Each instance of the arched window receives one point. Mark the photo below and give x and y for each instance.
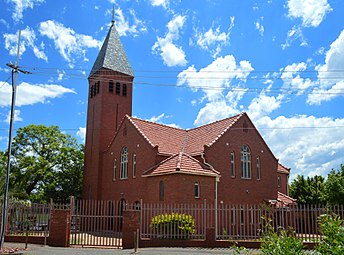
(124, 163)
(258, 168)
(161, 191)
(134, 165)
(232, 164)
(245, 162)
(114, 169)
(197, 190)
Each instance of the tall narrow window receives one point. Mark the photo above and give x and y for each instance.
(279, 181)
(232, 164)
(134, 165)
(197, 190)
(258, 168)
(114, 169)
(124, 163)
(95, 89)
(97, 86)
(124, 90)
(91, 91)
(111, 86)
(245, 162)
(161, 191)
(118, 88)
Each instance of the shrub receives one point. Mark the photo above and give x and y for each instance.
(333, 230)
(174, 225)
(282, 242)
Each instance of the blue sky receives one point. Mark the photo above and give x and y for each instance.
(194, 61)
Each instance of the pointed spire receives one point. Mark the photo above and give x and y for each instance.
(112, 55)
(113, 15)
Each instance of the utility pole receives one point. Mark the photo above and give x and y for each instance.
(15, 69)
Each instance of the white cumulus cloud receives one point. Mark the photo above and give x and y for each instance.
(330, 81)
(21, 5)
(29, 94)
(69, 43)
(16, 117)
(172, 54)
(213, 39)
(312, 12)
(307, 144)
(163, 3)
(81, 133)
(27, 40)
(124, 28)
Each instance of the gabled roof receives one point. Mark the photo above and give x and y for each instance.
(282, 169)
(181, 163)
(173, 140)
(112, 55)
(208, 134)
(284, 200)
(168, 139)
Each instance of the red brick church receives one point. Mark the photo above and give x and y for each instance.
(130, 159)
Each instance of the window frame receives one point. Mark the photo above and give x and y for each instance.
(124, 164)
(111, 86)
(161, 190)
(134, 165)
(258, 168)
(118, 88)
(278, 181)
(124, 90)
(245, 153)
(114, 169)
(197, 190)
(232, 164)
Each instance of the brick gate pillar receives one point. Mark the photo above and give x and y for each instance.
(59, 232)
(131, 222)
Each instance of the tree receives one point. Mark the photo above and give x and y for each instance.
(46, 163)
(3, 165)
(308, 191)
(334, 187)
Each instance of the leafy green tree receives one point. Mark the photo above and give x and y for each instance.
(308, 190)
(3, 165)
(334, 186)
(46, 164)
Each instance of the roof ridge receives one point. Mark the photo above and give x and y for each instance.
(140, 131)
(160, 124)
(217, 121)
(115, 134)
(237, 117)
(160, 163)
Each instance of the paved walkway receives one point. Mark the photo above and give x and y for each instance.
(43, 250)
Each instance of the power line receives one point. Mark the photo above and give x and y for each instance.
(9, 77)
(232, 128)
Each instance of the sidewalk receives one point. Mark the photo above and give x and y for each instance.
(34, 249)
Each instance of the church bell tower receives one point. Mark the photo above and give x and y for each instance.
(110, 86)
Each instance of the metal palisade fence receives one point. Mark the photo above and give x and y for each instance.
(100, 223)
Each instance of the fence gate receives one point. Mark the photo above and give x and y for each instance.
(96, 223)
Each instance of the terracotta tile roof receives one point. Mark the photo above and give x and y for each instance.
(168, 139)
(173, 140)
(183, 164)
(284, 200)
(208, 134)
(282, 169)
